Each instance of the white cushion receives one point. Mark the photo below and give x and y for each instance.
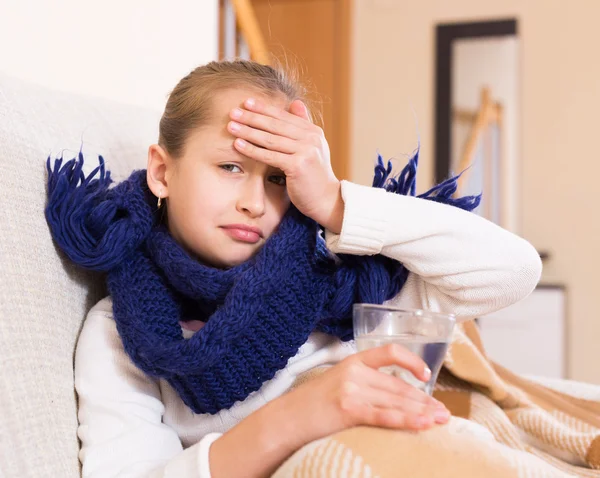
(43, 298)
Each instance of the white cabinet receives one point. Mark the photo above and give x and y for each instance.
(529, 337)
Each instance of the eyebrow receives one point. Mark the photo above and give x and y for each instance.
(231, 149)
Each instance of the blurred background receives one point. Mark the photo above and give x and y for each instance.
(507, 88)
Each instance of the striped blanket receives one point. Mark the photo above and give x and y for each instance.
(502, 426)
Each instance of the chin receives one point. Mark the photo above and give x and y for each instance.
(215, 257)
(235, 259)
(229, 264)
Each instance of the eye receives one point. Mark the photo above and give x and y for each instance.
(230, 168)
(278, 179)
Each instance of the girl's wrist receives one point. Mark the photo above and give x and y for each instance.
(333, 209)
(291, 419)
(260, 443)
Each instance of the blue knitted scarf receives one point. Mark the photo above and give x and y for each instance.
(257, 314)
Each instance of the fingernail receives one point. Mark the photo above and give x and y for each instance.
(233, 126)
(236, 113)
(427, 373)
(250, 102)
(241, 143)
(441, 415)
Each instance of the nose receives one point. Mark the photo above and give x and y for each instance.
(251, 199)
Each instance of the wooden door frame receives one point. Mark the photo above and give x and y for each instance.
(343, 119)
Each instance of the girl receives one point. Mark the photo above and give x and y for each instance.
(233, 262)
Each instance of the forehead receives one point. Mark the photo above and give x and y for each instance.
(224, 101)
(222, 104)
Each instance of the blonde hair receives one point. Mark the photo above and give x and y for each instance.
(190, 103)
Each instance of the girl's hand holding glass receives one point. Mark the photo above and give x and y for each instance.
(354, 392)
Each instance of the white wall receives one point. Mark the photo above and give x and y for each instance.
(133, 51)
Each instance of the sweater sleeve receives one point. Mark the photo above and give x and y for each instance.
(120, 412)
(459, 262)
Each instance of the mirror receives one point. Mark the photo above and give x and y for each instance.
(477, 114)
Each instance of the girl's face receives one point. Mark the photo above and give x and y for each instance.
(222, 206)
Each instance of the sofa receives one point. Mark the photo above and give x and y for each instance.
(43, 298)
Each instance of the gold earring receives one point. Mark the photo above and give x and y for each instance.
(158, 204)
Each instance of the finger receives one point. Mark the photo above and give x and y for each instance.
(388, 383)
(273, 111)
(384, 399)
(267, 123)
(365, 413)
(272, 158)
(299, 109)
(397, 419)
(394, 354)
(265, 139)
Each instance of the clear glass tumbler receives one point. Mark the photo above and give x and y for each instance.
(427, 334)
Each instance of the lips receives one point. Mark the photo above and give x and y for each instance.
(243, 233)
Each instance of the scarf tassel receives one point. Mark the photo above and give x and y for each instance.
(90, 222)
(405, 183)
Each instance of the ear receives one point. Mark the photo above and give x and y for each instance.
(298, 108)
(159, 163)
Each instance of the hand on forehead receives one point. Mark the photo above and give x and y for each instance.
(290, 142)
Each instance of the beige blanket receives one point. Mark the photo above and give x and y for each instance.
(502, 426)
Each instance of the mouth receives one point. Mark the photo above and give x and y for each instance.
(243, 233)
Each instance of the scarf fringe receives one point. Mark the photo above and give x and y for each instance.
(89, 221)
(405, 184)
